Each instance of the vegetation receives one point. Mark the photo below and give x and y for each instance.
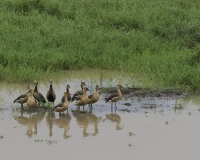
(156, 40)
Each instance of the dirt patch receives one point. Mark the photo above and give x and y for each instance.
(145, 92)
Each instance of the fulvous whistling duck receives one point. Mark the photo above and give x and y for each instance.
(79, 92)
(115, 97)
(69, 96)
(32, 103)
(61, 107)
(23, 98)
(37, 95)
(51, 96)
(83, 100)
(94, 97)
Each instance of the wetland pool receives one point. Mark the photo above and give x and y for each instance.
(155, 126)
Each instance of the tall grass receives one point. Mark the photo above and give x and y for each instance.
(157, 40)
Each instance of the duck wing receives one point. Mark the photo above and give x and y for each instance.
(111, 97)
(78, 93)
(39, 97)
(59, 105)
(18, 98)
(91, 96)
(69, 98)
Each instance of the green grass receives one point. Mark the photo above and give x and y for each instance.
(156, 40)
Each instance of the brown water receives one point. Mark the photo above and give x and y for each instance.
(151, 128)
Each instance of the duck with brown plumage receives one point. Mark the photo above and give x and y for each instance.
(37, 95)
(51, 96)
(23, 98)
(78, 93)
(115, 97)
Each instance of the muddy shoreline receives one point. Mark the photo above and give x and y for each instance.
(146, 92)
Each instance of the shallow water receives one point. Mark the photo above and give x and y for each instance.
(151, 128)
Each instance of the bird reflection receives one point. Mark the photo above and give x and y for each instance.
(63, 122)
(30, 121)
(50, 122)
(93, 120)
(84, 119)
(115, 118)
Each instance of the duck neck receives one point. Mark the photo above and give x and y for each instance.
(84, 92)
(96, 91)
(51, 87)
(119, 92)
(35, 90)
(66, 100)
(68, 90)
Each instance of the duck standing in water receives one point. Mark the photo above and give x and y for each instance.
(78, 93)
(93, 98)
(23, 98)
(83, 100)
(115, 97)
(61, 107)
(51, 96)
(69, 96)
(37, 95)
(32, 103)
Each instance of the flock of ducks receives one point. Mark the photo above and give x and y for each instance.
(35, 99)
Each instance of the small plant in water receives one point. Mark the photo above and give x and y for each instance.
(49, 142)
(130, 145)
(131, 134)
(178, 104)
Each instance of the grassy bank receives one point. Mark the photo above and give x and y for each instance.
(156, 40)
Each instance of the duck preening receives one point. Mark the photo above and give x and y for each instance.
(83, 100)
(69, 96)
(79, 92)
(93, 98)
(115, 97)
(51, 96)
(61, 107)
(37, 95)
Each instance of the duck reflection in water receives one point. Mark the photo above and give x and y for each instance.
(115, 118)
(84, 119)
(30, 121)
(93, 120)
(63, 122)
(50, 118)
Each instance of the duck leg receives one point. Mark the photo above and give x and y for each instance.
(91, 108)
(115, 106)
(22, 107)
(115, 110)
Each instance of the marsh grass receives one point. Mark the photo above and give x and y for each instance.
(158, 41)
